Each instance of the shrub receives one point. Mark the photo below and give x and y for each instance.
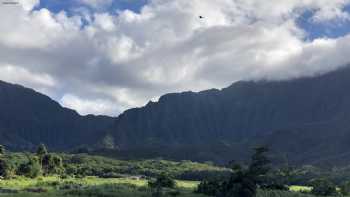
(345, 188)
(31, 169)
(162, 181)
(323, 187)
(210, 188)
(2, 150)
(41, 151)
(52, 164)
(7, 170)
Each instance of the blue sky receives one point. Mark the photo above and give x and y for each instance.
(69, 5)
(329, 29)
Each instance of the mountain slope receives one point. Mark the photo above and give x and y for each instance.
(28, 118)
(306, 118)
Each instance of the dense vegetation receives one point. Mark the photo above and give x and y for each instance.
(45, 174)
(82, 165)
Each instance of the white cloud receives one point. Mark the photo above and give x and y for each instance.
(122, 60)
(85, 106)
(40, 81)
(28, 4)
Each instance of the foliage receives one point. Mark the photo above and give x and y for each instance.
(2, 150)
(31, 169)
(209, 188)
(52, 164)
(259, 166)
(7, 170)
(162, 181)
(323, 187)
(243, 182)
(345, 188)
(41, 151)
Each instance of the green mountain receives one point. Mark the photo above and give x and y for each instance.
(306, 120)
(28, 118)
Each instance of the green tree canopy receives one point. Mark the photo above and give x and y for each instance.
(42, 150)
(52, 164)
(31, 169)
(162, 181)
(2, 150)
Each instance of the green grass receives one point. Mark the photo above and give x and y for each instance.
(297, 188)
(89, 186)
(114, 187)
(282, 194)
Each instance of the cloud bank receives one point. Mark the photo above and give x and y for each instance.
(105, 62)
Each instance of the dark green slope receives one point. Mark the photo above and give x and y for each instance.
(305, 119)
(28, 118)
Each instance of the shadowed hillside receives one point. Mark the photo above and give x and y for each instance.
(28, 118)
(306, 119)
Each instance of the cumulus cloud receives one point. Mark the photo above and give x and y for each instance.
(86, 106)
(104, 63)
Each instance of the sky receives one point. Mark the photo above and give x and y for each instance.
(105, 56)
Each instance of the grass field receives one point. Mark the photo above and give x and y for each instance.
(89, 186)
(296, 188)
(114, 187)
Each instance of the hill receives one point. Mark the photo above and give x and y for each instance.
(28, 118)
(305, 120)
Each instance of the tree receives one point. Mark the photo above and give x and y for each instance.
(345, 188)
(243, 181)
(162, 181)
(52, 164)
(7, 169)
(31, 169)
(260, 165)
(241, 184)
(41, 151)
(323, 187)
(210, 188)
(2, 150)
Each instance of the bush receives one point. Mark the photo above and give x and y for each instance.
(323, 187)
(210, 188)
(52, 164)
(7, 170)
(162, 181)
(345, 188)
(31, 169)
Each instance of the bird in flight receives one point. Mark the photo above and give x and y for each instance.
(201, 17)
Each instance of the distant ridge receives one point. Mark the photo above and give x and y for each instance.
(305, 120)
(28, 118)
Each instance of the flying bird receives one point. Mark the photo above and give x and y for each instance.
(201, 17)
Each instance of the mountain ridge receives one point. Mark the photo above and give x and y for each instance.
(33, 118)
(242, 112)
(306, 119)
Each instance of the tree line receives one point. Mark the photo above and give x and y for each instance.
(41, 163)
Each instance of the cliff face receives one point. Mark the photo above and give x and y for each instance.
(28, 118)
(305, 111)
(306, 120)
